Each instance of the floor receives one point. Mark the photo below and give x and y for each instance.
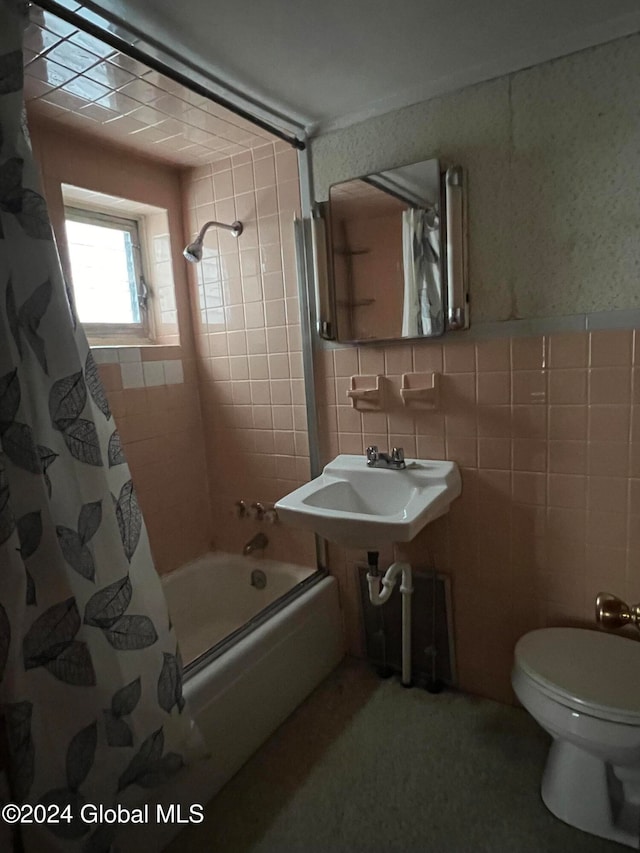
(365, 765)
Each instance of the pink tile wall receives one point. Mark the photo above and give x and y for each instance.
(164, 305)
(160, 427)
(546, 431)
(162, 436)
(71, 157)
(245, 313)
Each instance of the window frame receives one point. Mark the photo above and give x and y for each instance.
(106, 332)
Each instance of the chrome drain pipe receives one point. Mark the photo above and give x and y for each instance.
(378, 596)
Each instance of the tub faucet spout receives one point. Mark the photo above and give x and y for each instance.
(258, 543)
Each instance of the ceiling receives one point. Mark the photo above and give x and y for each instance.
(330, 63)
(84, 198)
(79, 82)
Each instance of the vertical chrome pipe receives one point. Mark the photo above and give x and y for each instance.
(308, 315)
(325, 311)
(457, 283)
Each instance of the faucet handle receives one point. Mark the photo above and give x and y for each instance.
(258, 509)
(397, 457)
(372, 455)
(271, 515)
(241, 509)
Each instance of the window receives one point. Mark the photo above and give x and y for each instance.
(109, 288)
(119, 259)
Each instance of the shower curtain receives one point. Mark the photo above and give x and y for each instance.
(422, 312)
(90, 673)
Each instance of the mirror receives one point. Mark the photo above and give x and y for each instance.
(395, 261)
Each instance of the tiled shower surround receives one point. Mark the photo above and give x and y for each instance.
(241, 409)
(246, 319)
(230, 423)
(546, 431)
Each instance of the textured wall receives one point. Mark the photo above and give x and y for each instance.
(553, 157)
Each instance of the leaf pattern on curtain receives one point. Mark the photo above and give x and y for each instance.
(21, 751)
(170, 683)
(24, 324)
(73, 543)
(129, 518)
(149, 767)
(95, 385)
(30, 535)
(115, 454)
(122, 704)
(82, 615)
(50, 642)
(79, 761)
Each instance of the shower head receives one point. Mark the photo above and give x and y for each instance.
(193, 252)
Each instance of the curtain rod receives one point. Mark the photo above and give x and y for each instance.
(120, 44)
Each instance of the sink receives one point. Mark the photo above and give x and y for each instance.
(362, 507)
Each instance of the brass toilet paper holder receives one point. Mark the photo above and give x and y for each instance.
(612, 612)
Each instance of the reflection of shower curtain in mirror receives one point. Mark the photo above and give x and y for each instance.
(90, 675)
(422, 312)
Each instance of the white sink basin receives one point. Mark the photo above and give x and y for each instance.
(363, 507)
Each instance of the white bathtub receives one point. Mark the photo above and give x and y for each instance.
(241, 697)
(212, 597)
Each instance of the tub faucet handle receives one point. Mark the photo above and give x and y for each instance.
(271, 515)
(241, 509)
(258, 510)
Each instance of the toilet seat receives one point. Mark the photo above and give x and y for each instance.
(588, 671)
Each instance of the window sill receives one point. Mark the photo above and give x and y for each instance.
(143, 366)
(116, 341)
(117, 334)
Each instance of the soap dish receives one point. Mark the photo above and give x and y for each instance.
(366, 393)
(420, 390)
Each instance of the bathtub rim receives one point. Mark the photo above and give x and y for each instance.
(218, 649)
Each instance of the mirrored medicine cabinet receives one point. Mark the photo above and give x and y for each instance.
(390, 255)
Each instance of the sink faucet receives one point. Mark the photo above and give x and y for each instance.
(376, 459)
(258, 543)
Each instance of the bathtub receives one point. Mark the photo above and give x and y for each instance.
(246, 688)
(212, 598)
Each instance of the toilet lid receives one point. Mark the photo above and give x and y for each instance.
(597, 672)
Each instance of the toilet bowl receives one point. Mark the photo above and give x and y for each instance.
(583, 687)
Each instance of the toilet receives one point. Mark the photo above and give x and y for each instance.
(583, 687)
